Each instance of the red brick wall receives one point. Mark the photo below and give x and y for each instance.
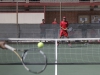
(72, 16)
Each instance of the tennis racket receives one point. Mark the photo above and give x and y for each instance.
(33, 59)
(70, 29)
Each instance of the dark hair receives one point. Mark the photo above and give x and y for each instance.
(42, 19)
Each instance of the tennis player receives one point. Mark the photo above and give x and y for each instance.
(63, 29)
(54, 22)
(43, 29)
(2, 43)
(43, 22)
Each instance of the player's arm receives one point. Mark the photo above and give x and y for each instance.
(2, 44)
(66, 27)
(62, 27)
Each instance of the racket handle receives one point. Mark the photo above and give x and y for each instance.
(9, 47)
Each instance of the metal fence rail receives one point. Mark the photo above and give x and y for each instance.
(47, 1)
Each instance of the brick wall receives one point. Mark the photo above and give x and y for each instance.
(72, 16)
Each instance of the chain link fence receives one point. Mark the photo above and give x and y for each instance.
(48, 31)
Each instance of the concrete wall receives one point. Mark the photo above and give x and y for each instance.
(23, 18)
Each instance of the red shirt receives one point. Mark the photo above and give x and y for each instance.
(54, 22)
(64, 24)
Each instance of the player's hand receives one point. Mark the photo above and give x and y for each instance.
(2, 44)
(65, 29)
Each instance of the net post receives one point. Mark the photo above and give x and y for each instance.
(55, 56)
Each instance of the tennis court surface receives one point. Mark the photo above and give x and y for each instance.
(82, 58)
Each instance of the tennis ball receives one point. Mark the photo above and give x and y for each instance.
(40, 44)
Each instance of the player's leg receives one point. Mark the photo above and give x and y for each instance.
(60, 36)
(66, 35)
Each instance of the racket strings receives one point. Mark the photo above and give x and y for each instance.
(33, 57)
(35, 61)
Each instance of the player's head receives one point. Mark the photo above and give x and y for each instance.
(55, 19)
(64, 18)
(43, 21)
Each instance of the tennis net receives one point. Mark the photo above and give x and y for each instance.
(81, 51)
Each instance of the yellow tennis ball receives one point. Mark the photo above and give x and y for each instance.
(40, 44)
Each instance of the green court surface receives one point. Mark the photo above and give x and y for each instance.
(62, 70)
(19, 70)
(78, 53)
